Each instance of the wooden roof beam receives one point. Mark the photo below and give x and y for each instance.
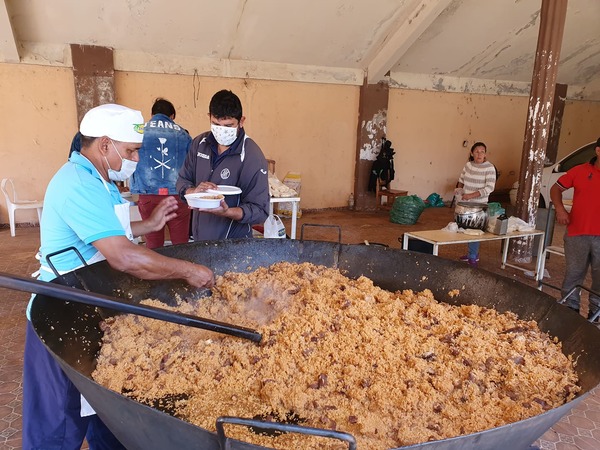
(410, 26)
(9, 52)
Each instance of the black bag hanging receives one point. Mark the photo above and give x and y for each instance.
(383, 166)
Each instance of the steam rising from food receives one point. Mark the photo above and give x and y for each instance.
(391, 368)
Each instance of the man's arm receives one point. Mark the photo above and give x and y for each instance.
(143, 263)
(186, 178)
(235, 213)
(562, 216)
(254, 204)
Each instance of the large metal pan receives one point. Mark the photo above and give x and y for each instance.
(72, 334)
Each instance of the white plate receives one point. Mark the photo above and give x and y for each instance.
(225, 190)
(200, 200)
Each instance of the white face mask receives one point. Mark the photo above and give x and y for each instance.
(127, 167)
(224, 135)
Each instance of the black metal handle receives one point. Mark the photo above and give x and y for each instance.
(579, 286)
(281, 427)
(322, 226)
(64, 250)
(77, 295)
(56, 272)
(564, 299)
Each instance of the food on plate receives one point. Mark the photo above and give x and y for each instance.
(391, 368)
(212, 197)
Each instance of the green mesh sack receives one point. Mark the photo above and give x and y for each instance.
(434, 200)
(406, 210)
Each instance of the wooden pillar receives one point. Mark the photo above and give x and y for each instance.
(537, 131)
(93, 71)
(372, 127)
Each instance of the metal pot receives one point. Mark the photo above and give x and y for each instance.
(71, 331)
(471, 215)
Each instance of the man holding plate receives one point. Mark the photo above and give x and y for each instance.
(225, 161)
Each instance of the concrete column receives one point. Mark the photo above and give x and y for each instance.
(94, 74)
(372, 123)
(537, 131)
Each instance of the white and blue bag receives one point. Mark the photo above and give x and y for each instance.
(274, 227)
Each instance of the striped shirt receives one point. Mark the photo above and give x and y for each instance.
(478, 177)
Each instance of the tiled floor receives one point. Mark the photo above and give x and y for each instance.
(578, 430)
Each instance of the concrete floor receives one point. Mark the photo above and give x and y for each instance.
(580, 429)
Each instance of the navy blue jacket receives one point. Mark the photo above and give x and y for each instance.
(243, 165)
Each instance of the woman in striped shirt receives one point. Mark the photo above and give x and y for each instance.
(476, 182)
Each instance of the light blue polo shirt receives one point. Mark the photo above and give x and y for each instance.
(78, 210)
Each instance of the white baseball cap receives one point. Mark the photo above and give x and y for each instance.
(115, 121)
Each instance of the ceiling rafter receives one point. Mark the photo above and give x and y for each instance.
(8, 44)
(421, 14)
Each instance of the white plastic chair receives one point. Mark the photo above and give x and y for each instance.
(13, 203)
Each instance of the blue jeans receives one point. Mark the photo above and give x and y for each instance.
(473, 252)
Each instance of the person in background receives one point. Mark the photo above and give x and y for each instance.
(75, 143)
(476, 182)
(582, 237)
(164, 148)
(84, 209)
(225, 155)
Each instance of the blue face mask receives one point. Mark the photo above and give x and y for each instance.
(127, 167)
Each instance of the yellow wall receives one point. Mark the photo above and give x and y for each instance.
(39, 122)
(428, 129)
(306, 127)
(580, 125)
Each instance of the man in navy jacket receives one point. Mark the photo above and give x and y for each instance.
(226, 156)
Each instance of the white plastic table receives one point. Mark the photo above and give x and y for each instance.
(294, 201)
(439, 237)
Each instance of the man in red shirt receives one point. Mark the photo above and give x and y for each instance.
(582, 239)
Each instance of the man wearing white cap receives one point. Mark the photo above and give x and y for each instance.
(84, 209)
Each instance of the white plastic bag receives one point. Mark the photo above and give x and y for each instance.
(452, 227)
(518, 224)
(274, 227)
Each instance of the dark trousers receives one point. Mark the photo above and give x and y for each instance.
(52, 405)
(581, 253)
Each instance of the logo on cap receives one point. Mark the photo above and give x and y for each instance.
(138, 128)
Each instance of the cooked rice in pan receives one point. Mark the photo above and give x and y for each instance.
(391, 368)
